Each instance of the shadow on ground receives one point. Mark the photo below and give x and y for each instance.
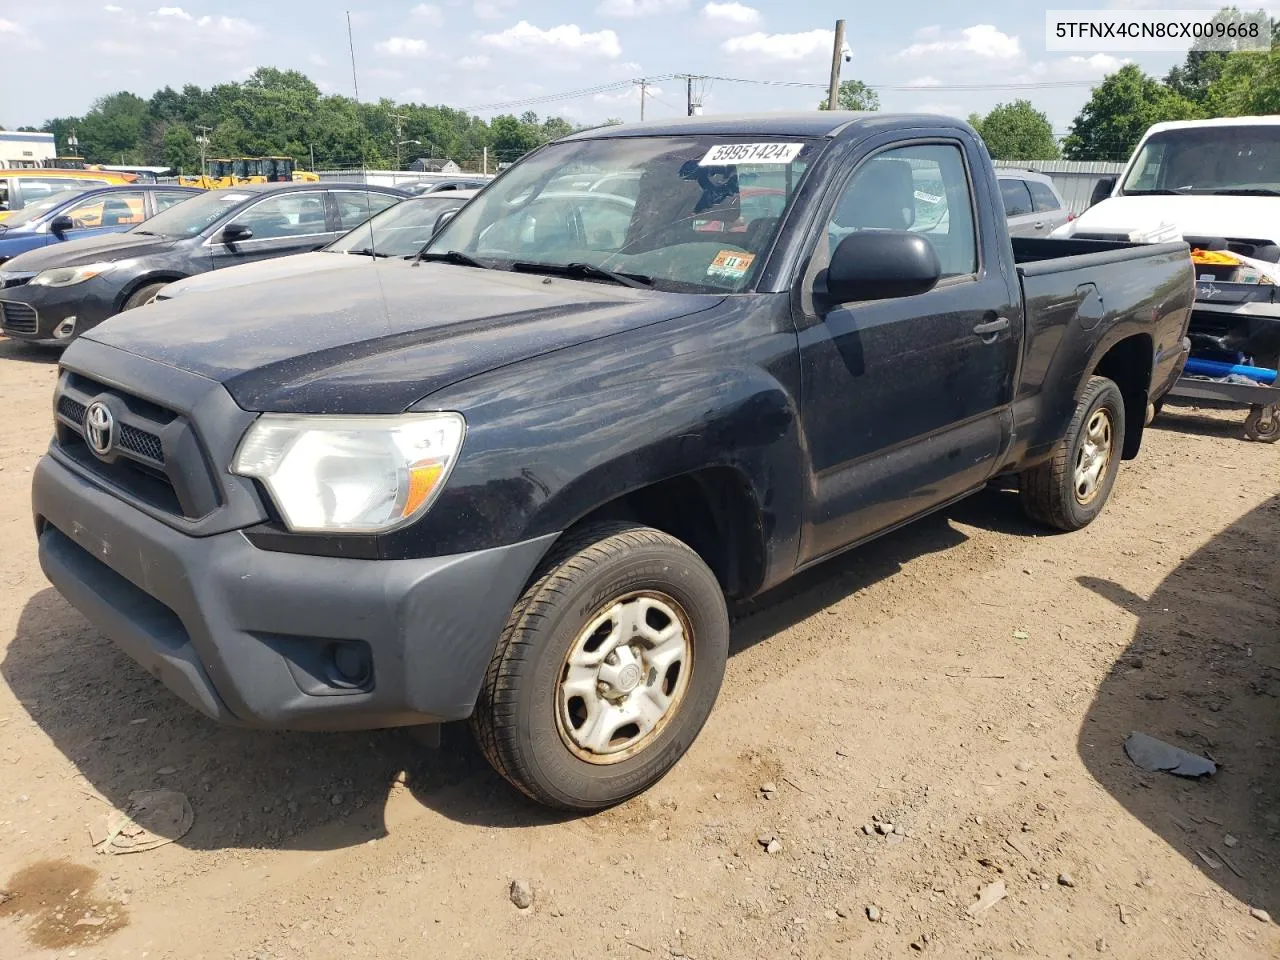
(119, 726)
(25, 352)
(1203, 673)
(1183, 416)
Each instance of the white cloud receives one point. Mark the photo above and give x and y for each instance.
(174, 12)
(112, 8)
(781, 46)
(923, 82)
(317, 60)
(1073, 68)
(474, 63)
(8, 26)
(731, 14)
(491, 9)
(566, 38)
(638, 8)
(429, 14)
(401, 47)
(983, 41)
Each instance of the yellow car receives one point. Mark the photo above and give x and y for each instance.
(20, 187)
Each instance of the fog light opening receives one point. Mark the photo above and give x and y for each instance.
(65, 329)
(351, 664)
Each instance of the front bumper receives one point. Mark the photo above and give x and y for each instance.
(33, 313)
(247, 636)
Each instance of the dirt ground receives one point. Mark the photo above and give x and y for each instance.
(968, 680)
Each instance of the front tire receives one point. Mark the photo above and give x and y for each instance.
(607, 669)
(1069, 490)
(143, 295)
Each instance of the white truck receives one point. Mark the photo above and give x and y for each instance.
(1216, 184)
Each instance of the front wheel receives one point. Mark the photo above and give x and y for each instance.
(143, 295)
(1069, 490)
(607, 669)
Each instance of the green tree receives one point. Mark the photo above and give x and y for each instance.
(180, 148)
(1248, 85)
(511, 138)
(854, 95)
(1016, 131)
(1119, 111)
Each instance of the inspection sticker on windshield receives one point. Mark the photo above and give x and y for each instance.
(731, 264)
(726, 153)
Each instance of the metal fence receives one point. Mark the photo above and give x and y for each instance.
(1075, 179)
(395, 178)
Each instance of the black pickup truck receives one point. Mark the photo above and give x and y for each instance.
(518, 478)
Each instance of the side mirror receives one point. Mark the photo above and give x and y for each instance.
(60, 225)
(442, 220)
(881, 265)
(235, 232)
(1102, 189)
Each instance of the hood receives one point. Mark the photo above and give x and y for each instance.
(104, 246)
(379, 339)
(1255, 218)
(294, 266)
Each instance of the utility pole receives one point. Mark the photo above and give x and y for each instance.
(204, 144)
(833, 94)
(485, 161)
(644, 85)
(313, 158)
(399, 119)
(688, 94)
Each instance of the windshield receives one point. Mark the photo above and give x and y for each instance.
(191, 217)
(703, 212)
(36, 210)
(399, 231)
(1208, 160)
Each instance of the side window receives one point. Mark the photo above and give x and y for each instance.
(1017, 201)
(1042, 197)
(4, 194)
(355, 208)
(923, 188)
(108, 210)
(288, 215)
(164, 199)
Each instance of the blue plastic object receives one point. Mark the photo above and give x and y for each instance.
(1215, 368)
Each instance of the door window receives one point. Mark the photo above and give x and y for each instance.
(923, 188)
(1042, 196)
(165, 199)
(108, 210)
(355, 207)
(1017, 201)
(288, 215)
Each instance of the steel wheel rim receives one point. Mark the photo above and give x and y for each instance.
(1093, 456)
(624, 677)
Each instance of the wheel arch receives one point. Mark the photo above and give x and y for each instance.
(1128, 363)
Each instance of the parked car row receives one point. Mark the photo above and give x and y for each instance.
(509, 458)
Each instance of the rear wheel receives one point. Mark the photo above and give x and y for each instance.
(143, 295)
(1070, 489)
(607, 669)
(1263, 423)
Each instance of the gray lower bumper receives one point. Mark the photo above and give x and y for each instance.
(246, 636)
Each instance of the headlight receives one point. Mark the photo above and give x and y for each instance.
(70, 276)
(351, 474)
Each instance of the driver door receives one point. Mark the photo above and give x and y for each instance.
(906, 402)
(286, 223)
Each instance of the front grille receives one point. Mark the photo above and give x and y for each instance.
(147, 439)
(19, 317)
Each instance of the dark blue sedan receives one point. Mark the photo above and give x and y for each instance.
(75, 213)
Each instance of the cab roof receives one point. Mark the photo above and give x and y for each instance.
(809, 123)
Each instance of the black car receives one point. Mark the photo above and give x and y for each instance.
(56, 293)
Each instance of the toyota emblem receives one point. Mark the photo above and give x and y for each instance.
(99, 428)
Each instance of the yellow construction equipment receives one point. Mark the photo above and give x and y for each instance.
(216, 176)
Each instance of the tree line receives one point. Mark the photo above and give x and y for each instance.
(283, 113)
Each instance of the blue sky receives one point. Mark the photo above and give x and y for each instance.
(59, 55)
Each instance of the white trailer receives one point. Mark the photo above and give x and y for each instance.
(20, 150)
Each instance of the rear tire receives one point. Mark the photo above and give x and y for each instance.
(143, 295)
(1069, 490)
(607, 669)
(1264, 429)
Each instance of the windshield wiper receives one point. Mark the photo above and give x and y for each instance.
(1246, 192)
(369, 252)
(145, 233)
(453, 256)
(585, 271)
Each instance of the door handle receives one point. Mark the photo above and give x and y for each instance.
(988, 331)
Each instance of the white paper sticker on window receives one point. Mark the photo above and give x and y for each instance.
(730, 153)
